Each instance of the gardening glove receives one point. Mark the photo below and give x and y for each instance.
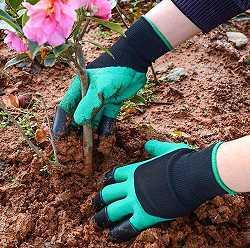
(171, 184)
(112, 80)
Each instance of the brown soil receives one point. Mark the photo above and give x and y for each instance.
(210, 104)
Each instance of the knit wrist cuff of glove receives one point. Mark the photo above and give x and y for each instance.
(142, 44)
(184, 178)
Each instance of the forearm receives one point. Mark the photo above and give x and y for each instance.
(172, 23)
(178, 20)
(162, 28)
(233, 162)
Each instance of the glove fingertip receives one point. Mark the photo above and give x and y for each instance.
(79, 118)
(108, 177)
(97, 202)
(123, 232)
(101, 219)
(60, 123)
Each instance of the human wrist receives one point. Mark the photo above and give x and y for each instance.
(233, 164)
(172, 23)
(159, 33)
(214, 160)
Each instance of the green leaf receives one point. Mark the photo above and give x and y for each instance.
(33, 1)
(242, 17)
(101, 47)
(179, 134)
(25, 18)
(14, 3)
(138, 100)
(16, 60)
(75, 31)
(33, 48)
(50, 60)
(10, 20)
(61, 49)
(116, 27)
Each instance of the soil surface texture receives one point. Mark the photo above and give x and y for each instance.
(211, 102)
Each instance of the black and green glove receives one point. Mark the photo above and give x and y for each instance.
(171, 184)
(113, 80)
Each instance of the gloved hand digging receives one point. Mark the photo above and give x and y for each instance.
(112, 80)
(171, 184)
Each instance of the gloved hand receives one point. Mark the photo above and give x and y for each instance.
(171, 184)
(112, 80)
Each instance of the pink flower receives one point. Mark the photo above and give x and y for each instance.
(50, 21)
(100, 8)
(15, 42)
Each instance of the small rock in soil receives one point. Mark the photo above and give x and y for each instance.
(176, 74)
(237, 38)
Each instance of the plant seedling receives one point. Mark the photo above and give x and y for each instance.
(61, 39)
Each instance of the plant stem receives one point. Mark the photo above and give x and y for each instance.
(154, 73)
(79, 63)
(87, 130)
(31, 145)
(50, 132)
(118, 9)
(83, 30)
(122, 15)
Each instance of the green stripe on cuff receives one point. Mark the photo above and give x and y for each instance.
(159, 33)
(216, 172)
